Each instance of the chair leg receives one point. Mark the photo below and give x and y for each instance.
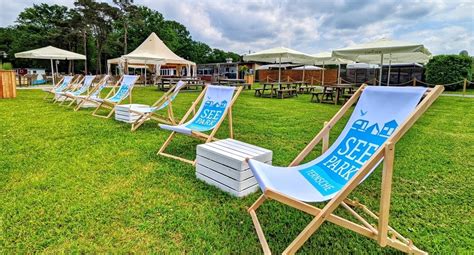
(139, 122)
(256, 223)
(78, 106)
(165, 144)
(96, 109)
(72, 102)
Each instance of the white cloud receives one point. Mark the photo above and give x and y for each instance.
(444, 26)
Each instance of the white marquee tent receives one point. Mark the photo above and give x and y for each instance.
(153, 51)
(51, 53)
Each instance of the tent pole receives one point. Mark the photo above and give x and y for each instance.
(304, 68)
(322, 78)
(52, 72)
(389, 69)
(145, 73)
(381, 68)
(339, 73)
(279, 73)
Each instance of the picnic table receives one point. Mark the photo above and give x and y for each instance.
(332, 93)
(233, 81)
(275, 89)
(167, 83)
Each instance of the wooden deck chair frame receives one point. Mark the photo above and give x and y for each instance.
(89, 91)
(382, 233)
(51, 91)
(169, 119)
(88, 97)
(200, 135)
(109, 105)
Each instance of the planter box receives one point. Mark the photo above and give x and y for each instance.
(7, 84)
(122, 112)
(222, 164)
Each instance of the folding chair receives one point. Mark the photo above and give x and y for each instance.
(125, 90)
(165, 101)
(69, 94)
(62, 85)
(93, 95)
(216, 105)
(382, 116)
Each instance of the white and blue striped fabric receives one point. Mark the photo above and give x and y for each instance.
(176, 90)
(378, 113)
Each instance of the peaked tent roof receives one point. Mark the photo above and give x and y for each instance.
(154, 49)
(50, 52)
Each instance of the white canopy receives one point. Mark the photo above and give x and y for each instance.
(326, 58)
(279, 55)
(51, 53)
(154, 49)
(362, 66)
(380, 48)
(397, 58)
(270, 66)
(308, 67)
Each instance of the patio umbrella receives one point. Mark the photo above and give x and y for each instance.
(279, 55)
(51, 53)
(382, 48)
(326, 58)
(396, 58)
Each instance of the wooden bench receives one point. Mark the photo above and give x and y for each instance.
(289, 92)
(306, 89)
(324, 97)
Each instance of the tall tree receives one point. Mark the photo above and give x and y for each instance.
(127, 11)
(100, 17)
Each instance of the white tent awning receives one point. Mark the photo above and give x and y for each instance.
(50, 52)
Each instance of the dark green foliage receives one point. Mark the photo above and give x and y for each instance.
(446, 69)
(100, 31)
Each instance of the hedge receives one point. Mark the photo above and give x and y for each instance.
(446, 69)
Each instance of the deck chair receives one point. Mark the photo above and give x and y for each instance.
(62, 85)
(165, 101)
(217, 102)
(69, 94)
(110, 101)
(93, 95)
(382, 116)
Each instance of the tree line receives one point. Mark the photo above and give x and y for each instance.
(100, 31)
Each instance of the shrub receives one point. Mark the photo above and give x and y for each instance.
(445, 69)
(7, 66)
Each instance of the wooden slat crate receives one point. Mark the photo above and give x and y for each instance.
(122, 112)
(222, 164)
(7, 84)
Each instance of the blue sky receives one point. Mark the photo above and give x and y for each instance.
(443, 26)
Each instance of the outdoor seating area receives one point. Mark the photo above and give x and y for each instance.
(136, 127)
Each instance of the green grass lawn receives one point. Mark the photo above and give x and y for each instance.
(71, 182)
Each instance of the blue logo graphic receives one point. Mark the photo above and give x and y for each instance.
(358, 146)
(209, 115)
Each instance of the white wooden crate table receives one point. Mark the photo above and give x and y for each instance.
(122, 112)
(222, 164)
